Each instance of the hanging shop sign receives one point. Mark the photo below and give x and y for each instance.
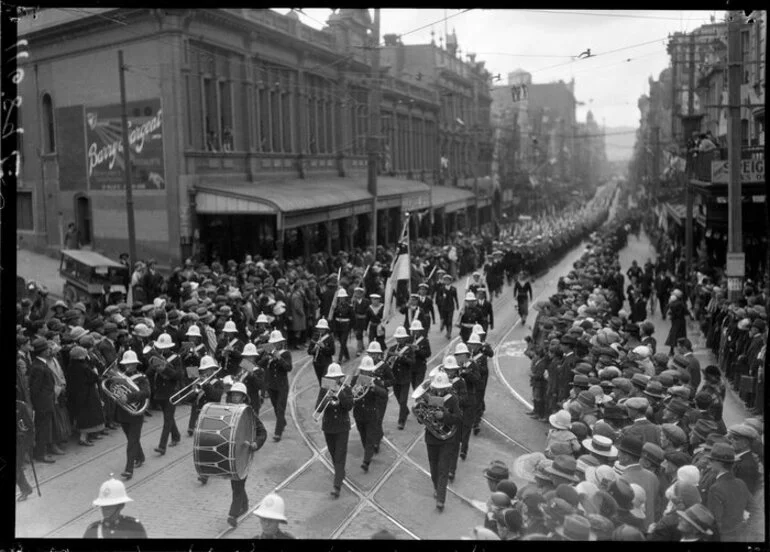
(752, 170)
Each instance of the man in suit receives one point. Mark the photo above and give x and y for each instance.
(630, 450)
(107, 346)
(487, 319)
(446, 301)
(42, 393)
(641, 427)
(746, 467)
(727, 498)
(684, 348)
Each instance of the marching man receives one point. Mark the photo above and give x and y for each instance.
(480, 352)
(401, 357)
(446, 301)
(440, 451)
(421, 353)
(336, 424)
(470, 316)
(384, 375)
(322, 349)
(131, 423)
(365, 411)
(165, 372)
(375, 326)
(360, 307)
(279, 364)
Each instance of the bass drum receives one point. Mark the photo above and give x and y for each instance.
(218, 444)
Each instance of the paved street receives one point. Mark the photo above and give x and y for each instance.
(395, 494)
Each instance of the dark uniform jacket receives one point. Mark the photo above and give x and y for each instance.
(336, 417)
(422, 351)
(365, 408)
(410, 314)
(374, 315)
(427, 314)
(487, 319)
(229, 355)
(401, 358)
(452, 417)
(123, 417)
(446, 299)
(384, 375)
(279, 535)
(123, 527)
(165, 375)
(41, 386)
(360, 316)
(278, 368)
(343, 316)
(324, 350)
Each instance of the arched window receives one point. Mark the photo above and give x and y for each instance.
(49, 131)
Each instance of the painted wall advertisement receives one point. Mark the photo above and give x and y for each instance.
(104, 151)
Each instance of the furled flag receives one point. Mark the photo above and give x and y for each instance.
(400, 270)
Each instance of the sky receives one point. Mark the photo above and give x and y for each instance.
(628, 47)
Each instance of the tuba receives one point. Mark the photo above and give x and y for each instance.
(425, 410)
(117, 386)
(363, 385)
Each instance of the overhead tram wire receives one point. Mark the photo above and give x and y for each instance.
(442, 20)
(622, 15)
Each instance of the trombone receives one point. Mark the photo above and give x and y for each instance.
(191, 388)
(332, 394)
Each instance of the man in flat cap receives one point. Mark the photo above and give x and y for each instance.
(641, 427)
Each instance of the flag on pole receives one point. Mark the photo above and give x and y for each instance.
(400, 270)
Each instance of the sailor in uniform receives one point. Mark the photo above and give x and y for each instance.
(112, 498)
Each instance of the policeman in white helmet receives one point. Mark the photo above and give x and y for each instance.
(132, 423)
(279, 365)
(403, 357)
(271, 513)
(440, 452)
(321, 349)
(112, 498)
(240, 502)
(166, 372)
(383, 376)
(422, 353)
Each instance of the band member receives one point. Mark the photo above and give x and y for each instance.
(112, 498)
(261, 333)
(475, 283)
(279, 364)
(321, 349)
(165, 370)
(132, 423)
(365, 411)
(469, 373)
(412, 310)
(480, 352)
(421, 353)
(452, 369)
(360, 306)
(470, 316)
(229, 348)
(374, 323)
(446, 301)
(193, 349)
(383, 373)
(252, 375)
(240, 502)
(336, 423)
(400, 357)
(522, 291)
(428, 315)
(486, 318)
(211, 391)
(440, 452)
(343, 313)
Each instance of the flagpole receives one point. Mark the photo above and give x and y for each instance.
(409, 253)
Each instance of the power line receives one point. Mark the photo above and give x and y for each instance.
(442, 20)
(623, 15)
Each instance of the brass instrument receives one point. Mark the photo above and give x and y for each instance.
(332, 395)
(363, 385)
(317, 345)
(391, 360)
(117, 386)
(247, 368)
(191, 388)
(226, 352)
(425, 409)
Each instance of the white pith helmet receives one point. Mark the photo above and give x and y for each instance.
(111, 493)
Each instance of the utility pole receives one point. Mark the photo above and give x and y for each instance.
(735, 256)
(127, 162)
(374, 124)
(687, 186)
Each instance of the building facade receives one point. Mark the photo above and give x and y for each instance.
(248, 134)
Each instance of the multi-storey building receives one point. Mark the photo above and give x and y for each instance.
(463, 177)
(247, 128)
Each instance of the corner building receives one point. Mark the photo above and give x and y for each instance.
(248, 134)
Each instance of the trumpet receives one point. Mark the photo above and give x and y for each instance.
(117, 385)
(332, 395)
(192, 388)
(317, 345)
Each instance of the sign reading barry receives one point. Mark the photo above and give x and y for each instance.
(104, 153)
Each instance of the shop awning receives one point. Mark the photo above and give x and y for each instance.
(307, 201)
(452, 199)
(678, 212)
